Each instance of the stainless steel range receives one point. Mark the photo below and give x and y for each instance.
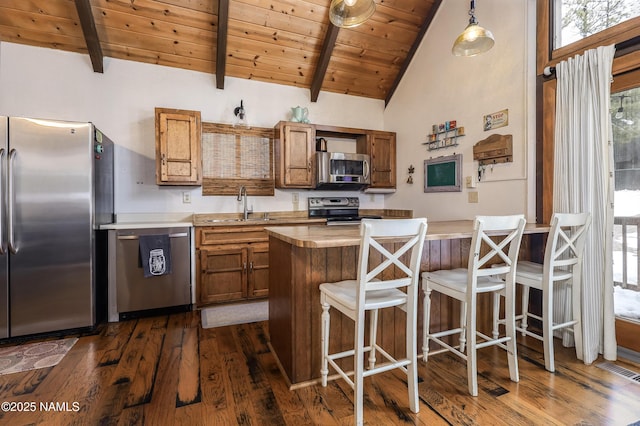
(337, 210)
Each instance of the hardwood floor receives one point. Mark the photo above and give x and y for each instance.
(168, 370)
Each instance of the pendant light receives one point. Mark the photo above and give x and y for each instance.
(474, 39)
(350, 13)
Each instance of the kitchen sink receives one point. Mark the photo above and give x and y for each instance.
(236, 220)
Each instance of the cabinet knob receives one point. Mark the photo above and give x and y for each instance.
(250, 266)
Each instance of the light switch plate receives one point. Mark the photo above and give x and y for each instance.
(473, 196)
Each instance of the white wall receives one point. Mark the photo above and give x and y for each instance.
(439, 87)
(46, 83)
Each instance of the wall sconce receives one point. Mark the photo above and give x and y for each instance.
(241, 116)
(474, 39)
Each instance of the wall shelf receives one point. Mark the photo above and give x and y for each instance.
(444, 138)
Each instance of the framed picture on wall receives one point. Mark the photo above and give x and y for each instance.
(443, 174)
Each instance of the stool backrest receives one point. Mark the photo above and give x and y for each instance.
(504, 247)
(566, 241)
(409, 234)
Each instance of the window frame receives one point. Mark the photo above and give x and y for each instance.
(547, 56)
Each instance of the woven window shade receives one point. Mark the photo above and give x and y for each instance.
(237, 156)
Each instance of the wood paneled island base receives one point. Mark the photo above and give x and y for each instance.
(303, 257)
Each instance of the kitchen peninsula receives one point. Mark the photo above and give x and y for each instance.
(303, 257)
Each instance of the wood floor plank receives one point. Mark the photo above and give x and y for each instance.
(189, 370)
(144, 378)
(140, 372)
(115, 337)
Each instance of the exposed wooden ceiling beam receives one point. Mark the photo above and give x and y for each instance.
(412, 50)
(325, 56)
(221, 48)
(90, 32)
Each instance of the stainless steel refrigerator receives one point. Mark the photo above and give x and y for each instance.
(56, 189)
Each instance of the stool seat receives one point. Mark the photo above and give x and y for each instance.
(347, 291)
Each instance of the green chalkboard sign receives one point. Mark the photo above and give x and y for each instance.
(443, 174)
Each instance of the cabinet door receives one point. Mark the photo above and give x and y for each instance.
(223, 275)
(178, 147)
(296, 156)
(258, 277)
(382, 147)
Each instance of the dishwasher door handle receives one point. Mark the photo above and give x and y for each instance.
(135, 237)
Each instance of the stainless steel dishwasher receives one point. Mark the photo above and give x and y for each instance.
(130, 293)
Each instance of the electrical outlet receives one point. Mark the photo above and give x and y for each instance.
(473, 196)
(186, 197)
(470, 182)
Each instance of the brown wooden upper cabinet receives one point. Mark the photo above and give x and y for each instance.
(381, 146)
(295, 155)
(178, 147)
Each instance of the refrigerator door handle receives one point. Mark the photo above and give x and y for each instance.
(10, 195)
(2, 249)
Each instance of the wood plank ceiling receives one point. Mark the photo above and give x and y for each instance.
(290, 42)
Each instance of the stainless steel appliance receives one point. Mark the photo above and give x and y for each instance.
(56, 189)
(339, 170)
(130, 293)
(337, 210)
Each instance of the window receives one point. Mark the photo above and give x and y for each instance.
(237, 156)
(577, 19)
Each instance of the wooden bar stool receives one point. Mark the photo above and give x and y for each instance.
(465, 285)
(369, 293)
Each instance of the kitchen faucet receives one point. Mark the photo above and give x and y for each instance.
(242, 196)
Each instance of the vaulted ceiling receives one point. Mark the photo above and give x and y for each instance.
(290, 42)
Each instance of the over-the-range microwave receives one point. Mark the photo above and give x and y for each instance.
(340, 170)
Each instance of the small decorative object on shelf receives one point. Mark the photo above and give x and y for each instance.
(444, 135)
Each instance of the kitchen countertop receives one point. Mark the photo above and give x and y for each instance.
(349, 235)
(139, 225)
(277, 218)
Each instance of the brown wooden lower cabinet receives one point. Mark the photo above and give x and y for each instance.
(229, 268)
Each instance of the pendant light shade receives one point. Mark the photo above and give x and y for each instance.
(474, 39)
(350, 13)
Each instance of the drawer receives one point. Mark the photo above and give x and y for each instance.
(230, 235)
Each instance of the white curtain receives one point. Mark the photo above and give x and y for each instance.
(583, 182)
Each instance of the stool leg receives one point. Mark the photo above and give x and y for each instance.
(576, 290)
(472, 353)
(324, 370)
(372, 337)
(547, 327)
(426, 316)
(496, 315)
(463, 325)
(358, 378)
(412, 353)
(525, 309)
(510, 325)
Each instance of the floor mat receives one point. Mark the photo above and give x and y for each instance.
(30, 356)
(219, 316)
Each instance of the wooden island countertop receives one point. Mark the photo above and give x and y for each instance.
(322, 236)
(302, 257)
